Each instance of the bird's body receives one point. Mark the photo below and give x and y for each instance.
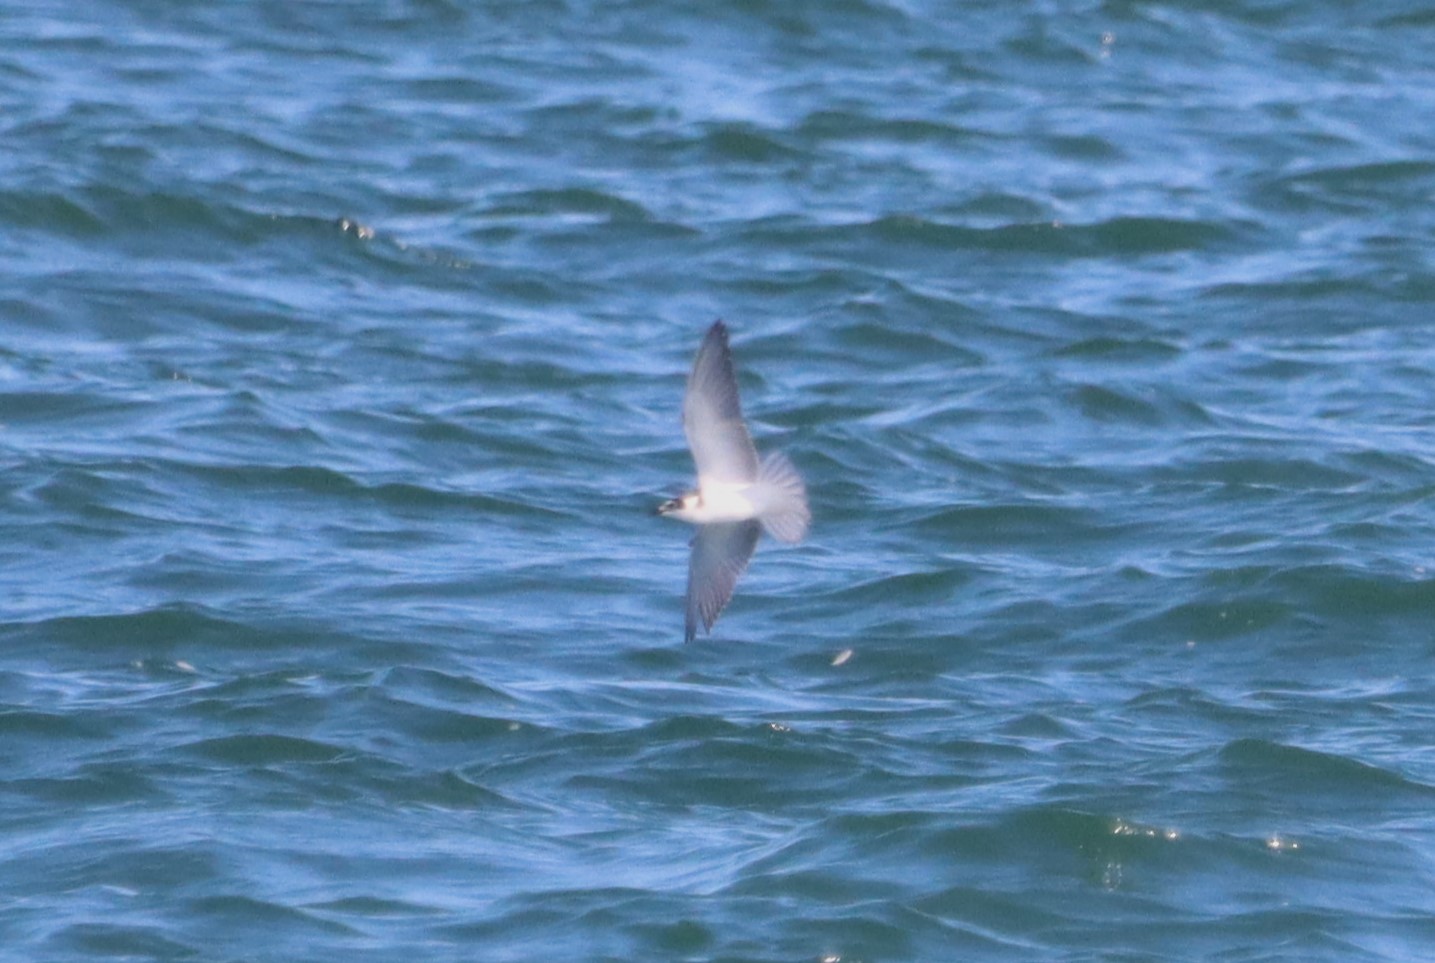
(718, 502)
(738, 496)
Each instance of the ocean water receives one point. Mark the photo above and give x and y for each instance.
(341, 353)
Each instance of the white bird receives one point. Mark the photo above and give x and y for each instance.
(737, 495)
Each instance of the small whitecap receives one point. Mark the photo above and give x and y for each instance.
(1279, 844)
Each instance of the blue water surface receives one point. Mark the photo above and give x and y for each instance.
(342, 347)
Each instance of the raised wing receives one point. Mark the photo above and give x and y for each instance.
(712, 415)
(720, 554)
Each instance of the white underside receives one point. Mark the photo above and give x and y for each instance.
(777, 498)
(721, 502)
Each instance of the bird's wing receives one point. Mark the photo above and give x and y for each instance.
(712, 415)
(720, 554)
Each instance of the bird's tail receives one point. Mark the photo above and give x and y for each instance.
(782, 498)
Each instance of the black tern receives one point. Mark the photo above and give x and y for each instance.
(737, 495)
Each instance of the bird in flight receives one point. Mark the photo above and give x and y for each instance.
(738, 496)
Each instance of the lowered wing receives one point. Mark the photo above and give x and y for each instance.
(720, 554)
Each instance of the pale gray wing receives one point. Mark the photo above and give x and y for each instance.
(720, 554)
(712, 415)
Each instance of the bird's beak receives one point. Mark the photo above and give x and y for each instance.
(671, 505)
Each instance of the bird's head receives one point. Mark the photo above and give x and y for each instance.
(683, 503)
